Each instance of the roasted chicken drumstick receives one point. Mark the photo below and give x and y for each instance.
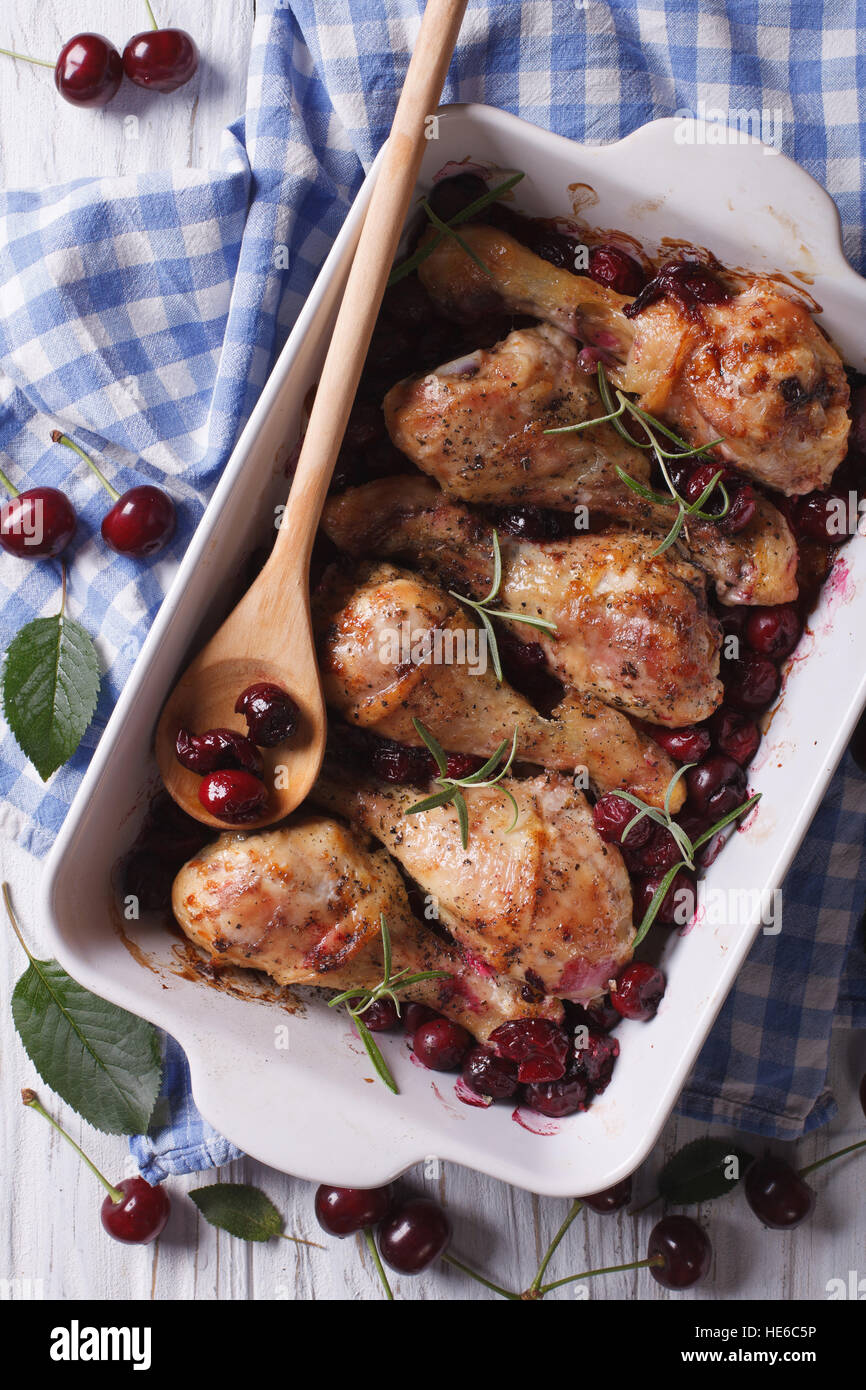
(753, 367)
(478, 426)
(547, 903)
(361, 616)
(632, 628)
(303, 903)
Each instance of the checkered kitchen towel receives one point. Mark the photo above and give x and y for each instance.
(142, 315)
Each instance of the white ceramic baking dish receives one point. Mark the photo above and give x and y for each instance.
(300, 1099)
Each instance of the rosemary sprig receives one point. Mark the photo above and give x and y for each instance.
(653, 428)
(448, 230)
(386, 989)
(485, 613)
(452, 787)
(412, 263)
(688, 848)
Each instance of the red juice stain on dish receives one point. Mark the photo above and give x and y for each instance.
(839, 585)
(534, 1123)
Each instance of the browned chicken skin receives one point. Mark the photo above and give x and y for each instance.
(478, 426)
(547, 903)
(755, 369)
(632, 628)
(303, 903)
(359, 617)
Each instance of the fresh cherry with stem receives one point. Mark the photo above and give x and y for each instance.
(142, 519)
(133, 1212)
(343, 1211)
(414, 1235)
(160, 59)
(678, 1252)
(37, 523)
(779, 1195)
(88, 70)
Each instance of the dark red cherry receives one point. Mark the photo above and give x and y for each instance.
(394, 762)
(684, 1249)
(36, 523)
(678, 904)
(696, 480)
(381, 1016)
(160, 59)
(141, 522)
(556, 1099)
(735, 735)
(538, 1046)
(216, 750)
(441, 1044)
(450, 196)
(611, 1199)
(741, 510)
(233, 796)
(527, 523)
(415, 1235)
(595, 1061)
(88, 71)
(270, 712)
(553, 246)
(688, 282)
(863, 1093)
(687, 745)
(774, 632)
(461, 765)
(140, 1217)
(341, 1211)
(821, 516)
(414, 1015)
(616, 269)
(489, 1075)
(716, 786)
(602, 1015)
(777, 1194)
(612, 813)
(659, 854)
(639, 990)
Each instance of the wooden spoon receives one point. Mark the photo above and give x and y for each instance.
(269, 635)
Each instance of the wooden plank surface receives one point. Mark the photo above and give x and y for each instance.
(52, 1242)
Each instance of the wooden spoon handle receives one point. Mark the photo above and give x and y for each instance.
(368, 276)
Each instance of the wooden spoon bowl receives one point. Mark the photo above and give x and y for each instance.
(200, 701)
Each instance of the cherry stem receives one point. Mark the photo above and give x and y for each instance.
(299, 1240)
(6, 483)
(31, 1100)
(577, 1205)
(14, 920)
(25, 57)
(156, 26)
(59, 438)
(479, 1278)
(653, 1262)
(819, 1163)
(380, 1270)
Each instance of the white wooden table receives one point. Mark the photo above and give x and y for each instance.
(52, 1243)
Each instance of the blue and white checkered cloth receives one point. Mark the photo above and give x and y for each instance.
(142, 315)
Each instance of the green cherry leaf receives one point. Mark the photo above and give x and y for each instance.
(101, 1060)
(241, 1210)
(698, 1172)
(50, 687)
